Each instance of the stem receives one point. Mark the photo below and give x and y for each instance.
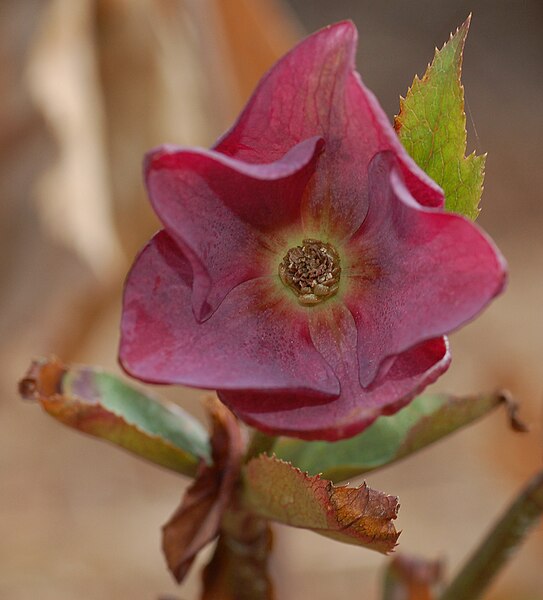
(260, 443)
(499, 545)
(239, 567)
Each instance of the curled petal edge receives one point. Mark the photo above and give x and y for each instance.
(295, 422)
(182, 181)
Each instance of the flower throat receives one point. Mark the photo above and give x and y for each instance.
(311, 271)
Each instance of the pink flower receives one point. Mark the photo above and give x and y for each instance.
(306, 269)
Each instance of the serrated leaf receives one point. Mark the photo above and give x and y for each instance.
(276, 490)
(427, 419)
(100, 404)
(431, 125)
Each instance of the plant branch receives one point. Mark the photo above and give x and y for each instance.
(499, 545)
(260, 443)
(239, 567)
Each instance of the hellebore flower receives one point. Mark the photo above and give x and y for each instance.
(306, 270)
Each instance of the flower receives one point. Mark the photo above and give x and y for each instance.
(306, 270)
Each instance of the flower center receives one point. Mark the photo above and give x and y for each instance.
(311, 271)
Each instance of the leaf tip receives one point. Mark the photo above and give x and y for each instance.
(462, 31)
(512, 408)
(43, 377)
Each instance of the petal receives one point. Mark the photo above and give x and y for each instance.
(415, 273)
(226, 215)
(253, 341)
(335, 336)
(424, 189)
(314, 90)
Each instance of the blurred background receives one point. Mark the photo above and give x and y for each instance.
(87, 87)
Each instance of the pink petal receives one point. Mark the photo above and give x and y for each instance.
(314, 90)
(253, 341)
(416, 273)
(226, 215)
(335, 336)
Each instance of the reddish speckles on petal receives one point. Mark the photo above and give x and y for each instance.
(227, 216)
(311, 156)
(253, 341)
(314, 90)
(433, 271)
(356, 408)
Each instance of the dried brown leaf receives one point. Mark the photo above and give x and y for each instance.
(276, 490)
(197, 520)
(512, 408)
(412, 578)
(104, 406)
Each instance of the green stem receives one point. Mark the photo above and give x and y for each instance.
(260, 443)
(499, 545)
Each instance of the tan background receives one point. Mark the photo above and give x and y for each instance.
(87, 87)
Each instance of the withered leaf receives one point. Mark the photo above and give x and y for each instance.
(197, 520)
(102, 405)
(276, 490)
(412, 578)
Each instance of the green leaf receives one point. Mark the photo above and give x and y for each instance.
(102, 405)
(427, 419)
(278, 491)
(432, 127)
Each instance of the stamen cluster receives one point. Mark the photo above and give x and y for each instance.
(312, 271)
